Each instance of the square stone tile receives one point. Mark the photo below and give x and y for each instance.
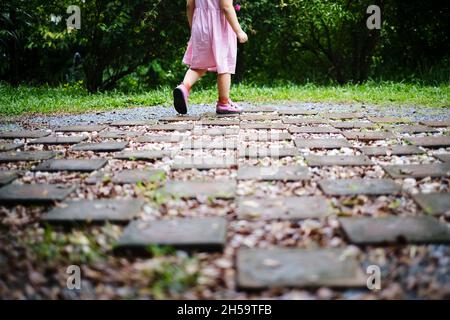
(418, 170)
(167, 138)
(436, 203)
(208, 144)
(117, 134)
(312, 130)
(291, 267)
(431, 142)
(370, 230)
(260, 109)
(331, 143)
(179, 118)
(10, 146)
(398, 150)
(144, 155)
(323, 161)
(180, 127)
(260, 117)
(344, 115)
(203, 234)
(132, 123)
(204, 163)
(218, 122)
(264, 136)
(23, 134)
(296, 112)
(444, 157)
(50, 140)
(225, 189)
(263, 125)
(283, 173)
(100, 147)
(286, 208)
(81, 165)
(369, 135)
(7, 177)
(388, 120)
(94, 211)
(303, 121)
(349, 187)
(128, 176)
(413, 129)
(34, 193)
(351, 124)
(14, 156)
(434, 123)
(81, 128)
(262, 152)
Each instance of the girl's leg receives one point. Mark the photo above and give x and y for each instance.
(192, 76)
(223, 85)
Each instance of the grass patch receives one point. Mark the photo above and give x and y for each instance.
(75, 99)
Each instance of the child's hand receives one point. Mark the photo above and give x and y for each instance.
(242, 37)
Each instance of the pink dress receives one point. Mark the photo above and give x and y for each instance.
(213, 43)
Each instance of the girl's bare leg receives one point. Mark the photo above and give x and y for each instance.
(223, 85)
(192, 76)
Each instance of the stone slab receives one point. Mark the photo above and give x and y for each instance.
(132, 123)
(215, 131)
(386, 230)
(13, 156)
(344, 115)
(263, 125)
(94, 211)
(218, 122)
(78, 165)
(331, 143)
(180, 127)
(261, 152)
(303, 121)
(435, 203)
(23, 134)
(281, 173)
(398, 150)
(216, 144)
(51, 140)
(313, 130)
(389, 120)
(179, 118)
(204, 163)
(167, 138)
(100, 147)
(128, 176)
(351, 124)
(34, 193)
(297, 112)
(202, 234)
(118, 134)
(144, 155)
(260, 117)
(7, 177)
(260, 109)
(323, 161)
(369, 135)
(418, 170)
(413, 129)
(285, 208)
(436, 123)
(81, 128)
(431, 142)
(225, 189)
(264, 136)
(291, 267)
(10, 146)
(349, 187)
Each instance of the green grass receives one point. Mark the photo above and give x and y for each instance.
(74, 99)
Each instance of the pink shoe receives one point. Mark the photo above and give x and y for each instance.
(228, 108)
(180, 98)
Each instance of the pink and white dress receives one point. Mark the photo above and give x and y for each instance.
(213, 43)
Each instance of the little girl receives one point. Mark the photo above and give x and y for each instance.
(212, 47)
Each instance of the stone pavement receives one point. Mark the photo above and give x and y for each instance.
(340, 179)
